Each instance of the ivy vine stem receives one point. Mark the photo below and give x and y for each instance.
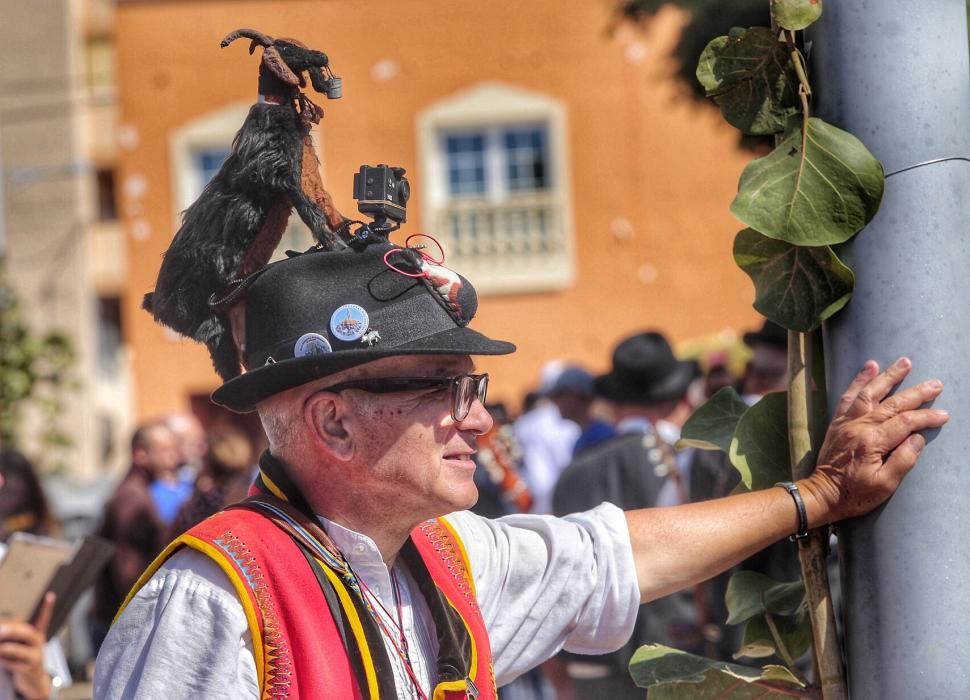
(803, 355)
(798, 61)
(780, 645)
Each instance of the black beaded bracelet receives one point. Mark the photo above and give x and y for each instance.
(802, 532)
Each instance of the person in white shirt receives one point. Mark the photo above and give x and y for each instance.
(354, 569)
(377, 448)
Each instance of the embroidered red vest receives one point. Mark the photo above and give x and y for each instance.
(303, 619)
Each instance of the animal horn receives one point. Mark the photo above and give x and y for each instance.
(277, 66)
(259, 39)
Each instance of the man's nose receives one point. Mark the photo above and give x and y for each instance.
(478, 420)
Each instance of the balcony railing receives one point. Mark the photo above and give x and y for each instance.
(520, 244)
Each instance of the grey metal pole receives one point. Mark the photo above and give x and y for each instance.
(895, 73)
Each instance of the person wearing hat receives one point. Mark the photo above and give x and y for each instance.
(354, 570)
(767, 369)
(638, 468)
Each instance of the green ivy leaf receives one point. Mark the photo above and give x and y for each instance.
(671, 674)
(795, 14)
(759, 447)
(795, 633)
(750, 76)
(797, 287)
(751, 594)
(818, 193)
(712, 425)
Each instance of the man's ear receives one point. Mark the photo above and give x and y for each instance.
(326, 415)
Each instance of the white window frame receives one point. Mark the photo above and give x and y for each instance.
(216, 130)
(491, 107)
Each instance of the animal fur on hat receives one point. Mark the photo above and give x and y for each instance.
(234, 226)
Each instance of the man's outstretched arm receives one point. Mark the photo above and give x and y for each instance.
(871, 444)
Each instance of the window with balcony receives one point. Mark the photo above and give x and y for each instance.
(495, 190)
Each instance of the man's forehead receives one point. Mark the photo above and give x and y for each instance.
(158, 434)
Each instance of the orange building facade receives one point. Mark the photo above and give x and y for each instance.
(558, 162)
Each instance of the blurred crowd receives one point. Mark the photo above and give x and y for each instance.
(577, 440)
(581, 439)
(179, 474)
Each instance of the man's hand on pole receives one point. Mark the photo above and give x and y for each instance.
(871, 444)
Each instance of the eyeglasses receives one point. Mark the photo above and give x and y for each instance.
(465, 388)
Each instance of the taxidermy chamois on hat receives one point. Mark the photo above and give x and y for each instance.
(234, 226)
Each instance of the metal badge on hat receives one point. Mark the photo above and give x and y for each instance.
(349, 322)
(311, 344)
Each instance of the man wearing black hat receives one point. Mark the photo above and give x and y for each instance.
(354, 569)
(647, 386)
(343, 555)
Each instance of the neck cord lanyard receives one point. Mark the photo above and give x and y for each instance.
(400, 645)
(335, 559)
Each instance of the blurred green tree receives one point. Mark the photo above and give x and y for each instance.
(35, 375)
(708, 19)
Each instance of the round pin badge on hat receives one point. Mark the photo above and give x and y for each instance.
(349, 322)
(310, 344)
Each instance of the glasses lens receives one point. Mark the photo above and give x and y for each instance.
(467, 388)
(462, 397)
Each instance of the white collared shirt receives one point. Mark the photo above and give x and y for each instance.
(543, 584)
(410, 614)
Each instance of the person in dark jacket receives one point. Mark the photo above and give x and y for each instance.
(637, 468)
(131, 520)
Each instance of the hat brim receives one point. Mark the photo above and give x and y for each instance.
(242, 393)
(615, 387)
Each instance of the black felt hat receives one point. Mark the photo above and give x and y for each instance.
(645, 371)
(322, 312)
(769, 334)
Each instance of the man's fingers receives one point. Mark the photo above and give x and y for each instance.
(903, 458)
(911, 397)
(877, 389)
(896, 430)
(869, 370)
(43, 618)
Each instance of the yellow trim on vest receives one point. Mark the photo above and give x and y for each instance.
(448, 686)
(273, 488)
(241, 591)
(356, 627)
(473, 666)
(463, 552)
(219, 557)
